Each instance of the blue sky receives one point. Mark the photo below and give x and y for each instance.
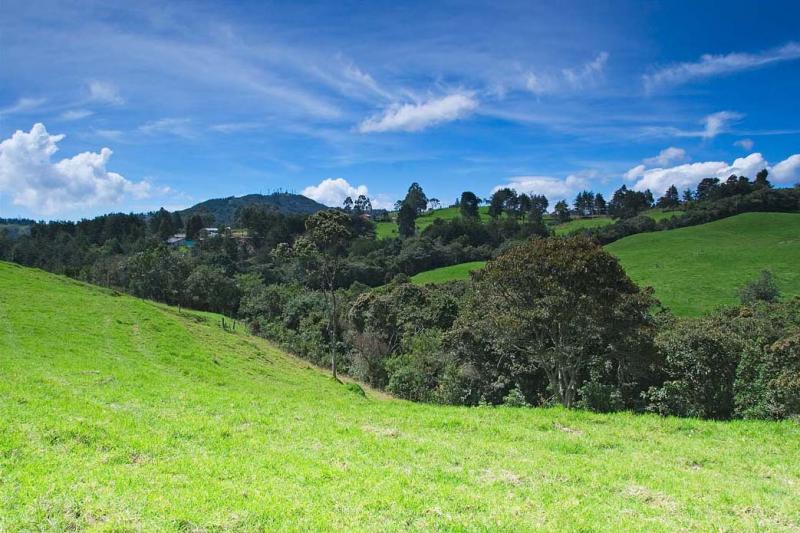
(137, 105)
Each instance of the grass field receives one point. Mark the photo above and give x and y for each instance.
(581, 223)
(123, 415)
(449, 273)
(389, 229)
(697, 269)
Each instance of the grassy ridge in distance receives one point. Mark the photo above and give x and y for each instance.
(699, 268)
(123, 415)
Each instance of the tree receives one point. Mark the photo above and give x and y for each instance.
(416, 199)
(524, 205)
(363, 205)
(557, 304)
(670, 200)
(688, 196)
(347, 205)
(209, 288)
(627, 203)
(434, 203)
(707, 189)
(468, 205)
(539, 203)
(406, 219)
(584, 203)
(499, 201)
(599, 204)
(562, 211)
(761, 180)
(324, 245)
(193, 226)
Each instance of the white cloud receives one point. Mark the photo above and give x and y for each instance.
(787, 170)
(332, 192)
(714, 65)
(568, 78)
(22, 105)
(104, 92)
(690, 174)
(554, 188)
(717, 123)
(667, 156)
(34, 181)
(416, 117)
(76, 114)
(179, 127)
(745, 144)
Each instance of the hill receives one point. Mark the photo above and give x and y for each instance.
(224, 209)
(699, 268)
(121, 414)
(389, 228)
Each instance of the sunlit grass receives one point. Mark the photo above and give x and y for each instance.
(118, 414)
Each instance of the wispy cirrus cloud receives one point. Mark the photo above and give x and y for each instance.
(104, 92)
(710, 65)
(22, 105)
(419, 116)
(568, 78)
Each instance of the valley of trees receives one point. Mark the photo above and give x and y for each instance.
(549, 320)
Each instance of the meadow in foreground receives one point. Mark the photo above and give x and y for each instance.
(121, 414)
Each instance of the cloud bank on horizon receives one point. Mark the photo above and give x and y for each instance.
(232, 99)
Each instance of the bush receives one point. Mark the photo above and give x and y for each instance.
(701, 358)
(515, 398)
(601, 398)
(355, 388)
(761, 289)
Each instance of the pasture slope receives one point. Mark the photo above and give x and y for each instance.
(697, 269)
(118, 414)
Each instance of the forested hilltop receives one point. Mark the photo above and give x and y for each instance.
(548, 320)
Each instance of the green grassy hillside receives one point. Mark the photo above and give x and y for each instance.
(449, 273)
(123, 415)
(389, 229)
(699, 268)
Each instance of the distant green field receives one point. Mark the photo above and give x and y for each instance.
(389, 229)
(581, 223)
(118, 414)
(449, 273)
(697, 269)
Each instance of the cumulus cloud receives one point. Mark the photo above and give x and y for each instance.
(787, 171)
(416, 117)
(745, 144)
(332, 192)
(667, 156)
(690, 174)
(568, 78)
(715, 65)
(46, 187)
(104, 92)
(554, 188)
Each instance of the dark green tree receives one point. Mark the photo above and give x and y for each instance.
(416, 199)
(468, 205)
(406, 220)
(561, 211)
(557, 304)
